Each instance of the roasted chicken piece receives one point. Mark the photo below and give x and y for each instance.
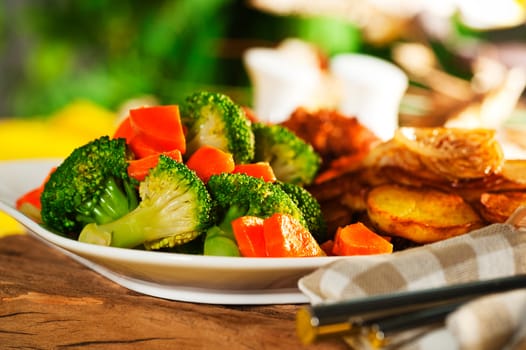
(339, 139)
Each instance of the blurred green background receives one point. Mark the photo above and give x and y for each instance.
(54, 51)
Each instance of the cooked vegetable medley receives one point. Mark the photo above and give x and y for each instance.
(199, 178)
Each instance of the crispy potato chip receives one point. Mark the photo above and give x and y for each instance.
(441, 153)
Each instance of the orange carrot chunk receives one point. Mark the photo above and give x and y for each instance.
(285, 236)
(261, 170)
(139, 168)
(124, 130)
(358, 239)
(161, 126)
(248, 231)
(32, 198)
(208, 160)
(142, 147)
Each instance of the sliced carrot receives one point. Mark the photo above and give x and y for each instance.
(139, 168)
(124, 130)
(285, 236)
(248, 231)
(142, 147)
(161, 125)
(358, 239)
(208, 160)
(32, 198)
(261, 170)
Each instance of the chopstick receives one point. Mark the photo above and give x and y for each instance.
(394, 312)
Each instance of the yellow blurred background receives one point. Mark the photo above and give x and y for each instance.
(54, 136)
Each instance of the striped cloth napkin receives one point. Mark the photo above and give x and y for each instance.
(491, 322)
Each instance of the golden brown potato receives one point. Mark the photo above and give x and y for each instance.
(515, 171)
(497, 207)
(419, 214)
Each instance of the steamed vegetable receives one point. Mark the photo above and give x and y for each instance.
(309, 207)
(91, 185)
(292, 159)
(358, 239)
(208, 161)
(174, 209)
(261, 170)
(152, 130)
(285, 236)
(213, 119)
(236, 195)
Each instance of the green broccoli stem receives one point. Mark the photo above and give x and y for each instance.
(220, 239)
(232, 213)
(128, 231)
(217, 243)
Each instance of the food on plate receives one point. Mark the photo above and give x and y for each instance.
(285, 236)
(213, 119)
(174, 208)
(455, 165)
(247, 195)
(277, 236)
(498, 206)
(422, 215)
(206, 177)
(292, 159)
(339, 139)
(239, 196)
(310, 209)
(514, 171)
(358, 239)
(151, 130)
(261, 170)
(441, 153)
(175, 181)
(209, 160)
(91, 185)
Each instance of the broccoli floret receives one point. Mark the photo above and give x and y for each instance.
(214, 119)
(236, 195)
(292, 159)
(174, 209)
(90, 185)
(253, 196)
(310, 208)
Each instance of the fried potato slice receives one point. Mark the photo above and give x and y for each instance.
(497, 207)
(421, 215)
(514, 170)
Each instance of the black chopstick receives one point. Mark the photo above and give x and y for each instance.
(331, 319)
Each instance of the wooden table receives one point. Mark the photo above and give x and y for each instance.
(49, 301)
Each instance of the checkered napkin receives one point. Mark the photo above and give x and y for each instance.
(497, 250)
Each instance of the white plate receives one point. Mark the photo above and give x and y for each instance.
(200, 279)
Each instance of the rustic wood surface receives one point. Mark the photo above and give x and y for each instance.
(49, 301)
